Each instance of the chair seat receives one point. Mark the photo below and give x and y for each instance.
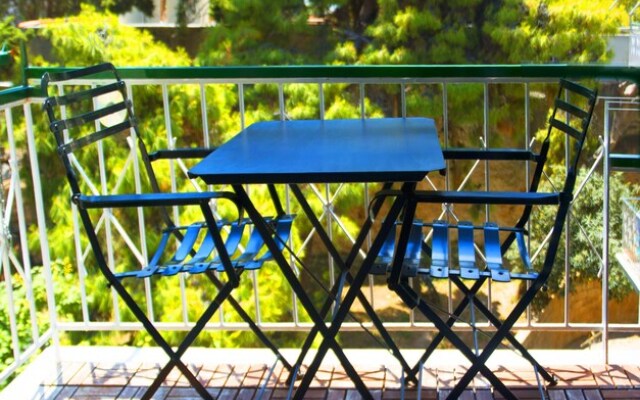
(467, 266)
(195, 254)
(411, 263)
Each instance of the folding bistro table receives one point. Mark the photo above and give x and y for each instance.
(388, 150)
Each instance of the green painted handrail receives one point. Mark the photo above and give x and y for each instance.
(371, 71)
(625, 162)
(17, 93)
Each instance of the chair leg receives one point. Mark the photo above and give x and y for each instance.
(412, 299)
(174, 356)
(452, 320)
(514, 342)
(499, 335)
(252, 325)
(223, 293)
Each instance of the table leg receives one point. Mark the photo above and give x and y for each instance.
(346, 275)
(348, 300)
(291, 277)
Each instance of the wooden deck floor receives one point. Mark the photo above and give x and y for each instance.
(113, 373)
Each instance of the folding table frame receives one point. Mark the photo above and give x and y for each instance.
(326, 151)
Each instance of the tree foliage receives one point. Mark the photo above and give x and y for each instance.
(586, 228)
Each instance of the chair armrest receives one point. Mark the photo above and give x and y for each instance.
(490, 154)
(479, 197)
(191, 152)
(151, 199)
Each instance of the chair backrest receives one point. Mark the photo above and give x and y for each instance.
(573, 109)
(96, 132)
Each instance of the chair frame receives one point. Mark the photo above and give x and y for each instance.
(399, 283)
(156, 199)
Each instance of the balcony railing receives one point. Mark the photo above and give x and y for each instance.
(29, 277)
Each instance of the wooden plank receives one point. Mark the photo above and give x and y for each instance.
(442, 394)
(633, 373)
(525, 393)
(145, 375)
(236, 376)
(228, 394)
(592, 394)
(557, 394)
(484, 394)
(601, 375)
(128, 393)
(253, 376)
(574, 394)
(467, 395)
(66, 393)
(574, 376)
(353, 394)
(62, 374)
(116, 374)
(82, 374)
(392, 378)
(374, 378)
(626, 394)
(517, 377)
(428, 394)
(446, 378)
(339, 379)
(336, 394)
(220, 376)
(429, 378)
(246, 393)
(619, 376)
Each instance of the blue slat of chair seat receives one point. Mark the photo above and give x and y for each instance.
(251, 250)
(414, 250)
(524, 253)
(385, 256)
(248, 259)
(283, 232)
(412, 254)
(440, 250)
(492, 253)
(153, 266)
(199, 263)
(467, 251)
(173, 266)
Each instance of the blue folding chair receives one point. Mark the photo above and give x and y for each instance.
(571, 117)
(88, 128)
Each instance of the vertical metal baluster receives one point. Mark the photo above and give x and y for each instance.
(107, 220)
(82, 271)
(527, 171)
(567, 237)
(605, 239)
(321, 99)
(172, 174)
(42, 228)
(6, 267)
(445, 123)
(362, 105)
(15, 183)
(485, 139)
(148, 291)
(403, 100)
(206, 141)
(283, 115)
